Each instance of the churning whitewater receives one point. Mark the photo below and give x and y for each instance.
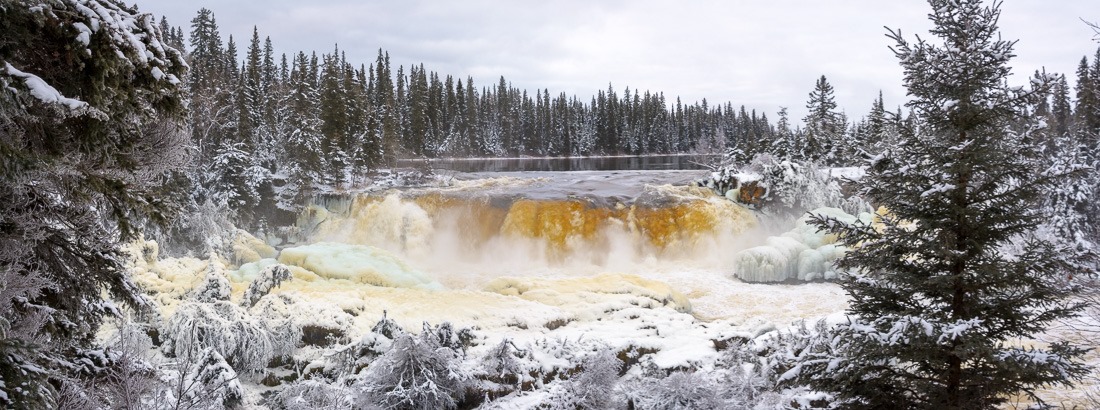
(621, 260)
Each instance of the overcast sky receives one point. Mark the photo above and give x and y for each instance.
(761, 54)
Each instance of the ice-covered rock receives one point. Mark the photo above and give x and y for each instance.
(744, 187)
(802, 254)
(247, 248)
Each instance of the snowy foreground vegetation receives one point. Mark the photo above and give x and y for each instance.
(954, 267)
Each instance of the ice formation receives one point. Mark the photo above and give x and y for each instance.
(802, 254)
(356, 263)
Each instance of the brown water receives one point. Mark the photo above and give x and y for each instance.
(593, 216)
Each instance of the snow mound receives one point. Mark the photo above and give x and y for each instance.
(303, 313)
(356, 263)
(582, 291)
(803, 253)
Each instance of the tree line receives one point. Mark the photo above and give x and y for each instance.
(273, 129)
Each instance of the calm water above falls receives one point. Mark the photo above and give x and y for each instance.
(617, 163)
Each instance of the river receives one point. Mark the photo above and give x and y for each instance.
(609, 163)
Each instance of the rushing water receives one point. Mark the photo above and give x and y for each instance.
(615, 163)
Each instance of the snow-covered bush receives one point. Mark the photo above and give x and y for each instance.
(746, 376)
(320, 323)
(749, 378)
(787, 358)
(202, 225)
(269, 278)
(246, 342)
(387, 327)
(794, 188)
(215, 286)
(312, 395)
(211, 383)
(505, 367)
(726, 180)
(592, 388)
(679, 390)
(356, 356)
(119, 376)
(448, 337)
(417, 373)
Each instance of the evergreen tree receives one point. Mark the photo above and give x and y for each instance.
(206, 51)
(91, 122)
(824, 125)
(334, 118)
(936, 293)
(880, 132)
(385, 103)
(1092, 114)
(419, 108)
(785, 145)
(362, 147)
(251, 97)
(304, 151)
(1087, 101)
(1060, 110)
(470, 129)
(209, 84)
(229, 62)
(401, 109)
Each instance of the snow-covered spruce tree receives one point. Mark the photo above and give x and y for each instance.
(215, 285)
(90, 114)
(938, 301)
(824, 125)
